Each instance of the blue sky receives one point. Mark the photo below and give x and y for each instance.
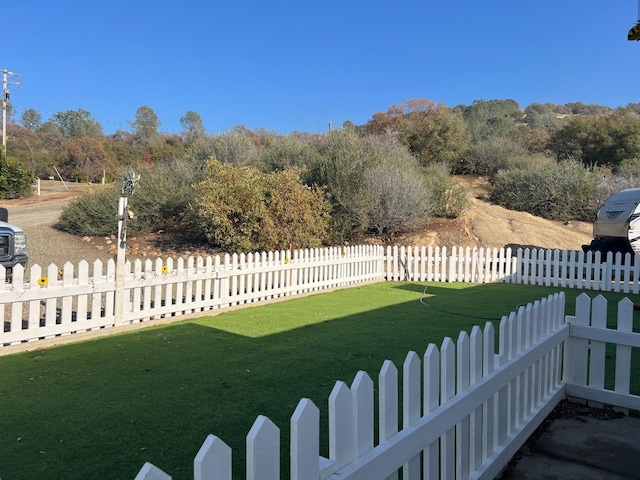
(285, 65)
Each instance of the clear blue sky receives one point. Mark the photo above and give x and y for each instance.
(295, 65)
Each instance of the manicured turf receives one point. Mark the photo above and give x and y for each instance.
(101, 408)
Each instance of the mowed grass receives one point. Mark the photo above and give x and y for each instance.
(101, 408)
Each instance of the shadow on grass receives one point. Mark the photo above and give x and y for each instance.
(100, 409)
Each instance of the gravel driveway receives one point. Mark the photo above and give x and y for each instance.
(46, 245)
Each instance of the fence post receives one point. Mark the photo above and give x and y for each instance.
(120, 261)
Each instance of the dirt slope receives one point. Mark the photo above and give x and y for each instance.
(487, 225)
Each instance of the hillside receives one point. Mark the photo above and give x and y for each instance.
(484, 225)
(488, 225)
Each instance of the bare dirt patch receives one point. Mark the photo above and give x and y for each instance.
(488, 225)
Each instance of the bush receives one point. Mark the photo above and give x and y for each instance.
(561, 191)
(447, 200)
(15, 180)
(489, 156)
(93, 214)
(160, 201)
(239, 209)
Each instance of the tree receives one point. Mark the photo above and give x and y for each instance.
(77, 124)
(432, 132)
(491, 118)
(51, 135)
(606, 140)
(192, 126)
(547, 116)
(229, 205)
(534, 140)
(145, 127)
(30, 119)
(83, 159)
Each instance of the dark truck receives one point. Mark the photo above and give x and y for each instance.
(13, 245)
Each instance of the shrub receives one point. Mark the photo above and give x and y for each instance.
(299, 215)
(239, 209)
(447, 200)
(487, 157)
(562, 191)
(93, 214)
(15, 180)
(160, 201)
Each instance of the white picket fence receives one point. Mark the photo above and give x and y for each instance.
(61, 302)
(465, 409)
(552, 268)
(72, 299)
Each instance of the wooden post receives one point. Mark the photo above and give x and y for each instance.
(120, 260)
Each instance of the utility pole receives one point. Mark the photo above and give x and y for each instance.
(5, 97)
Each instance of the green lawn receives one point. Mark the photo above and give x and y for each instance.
(101, 408)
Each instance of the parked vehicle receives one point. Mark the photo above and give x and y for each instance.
(617, 224)
(13, 244)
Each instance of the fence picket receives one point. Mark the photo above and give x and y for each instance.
(213, 460)
(263, 450)
(151, 472)
(362, 391)
(475, 419)
(411, 407)
(388, 399)
(623, 352)
(305, 444)
(341, 424)
(463, 364)
(431, 400)
(447, 391)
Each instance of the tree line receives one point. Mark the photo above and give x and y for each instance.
(252, 189)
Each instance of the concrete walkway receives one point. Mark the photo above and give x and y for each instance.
(585, 444)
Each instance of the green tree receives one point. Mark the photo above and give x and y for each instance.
(599, 140)
(240, 209)
(491, 118)
(432, 132)
(77, 124)
(487, 157)
(192, 126)
(30, 119)
(145, 127)
(50, 135)
(84, 159)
